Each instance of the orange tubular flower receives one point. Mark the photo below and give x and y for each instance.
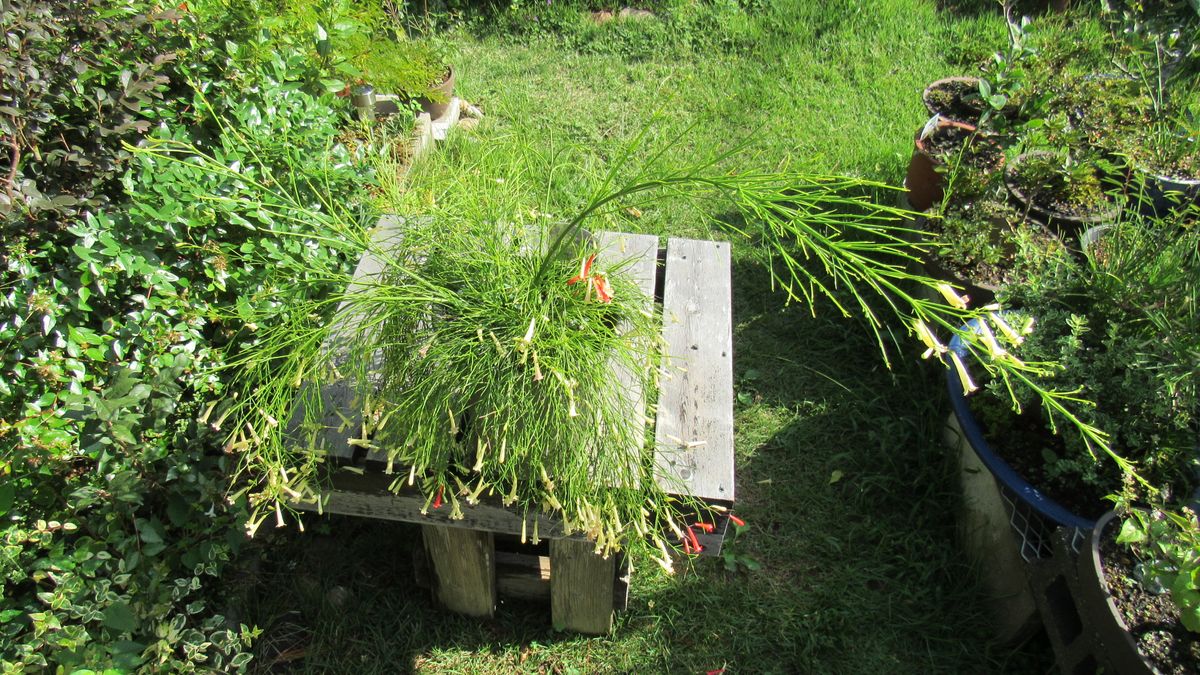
(603, 290)
(583, 270)
(595, 281)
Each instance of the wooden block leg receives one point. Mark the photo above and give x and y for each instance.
(581, 587)
(464, 566)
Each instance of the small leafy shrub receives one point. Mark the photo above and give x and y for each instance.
(119, 511)
(1123, 326)
(78, 80)
(1168, 542)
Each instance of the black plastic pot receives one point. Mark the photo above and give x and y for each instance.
(1033, 516)
(1163, 195)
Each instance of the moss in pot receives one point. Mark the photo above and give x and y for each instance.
(981, 242)
(1064, 192)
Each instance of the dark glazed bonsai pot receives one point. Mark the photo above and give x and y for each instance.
(1063, 223)
(1114, 647)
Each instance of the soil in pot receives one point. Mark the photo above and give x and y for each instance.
(1152, 619)
(1026, 444)
(955, 98)
(983, 243)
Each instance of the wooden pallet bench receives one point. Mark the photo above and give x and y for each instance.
(477, 558)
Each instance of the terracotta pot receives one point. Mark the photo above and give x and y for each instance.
(928, 98)
(924, 181)
(437, 105)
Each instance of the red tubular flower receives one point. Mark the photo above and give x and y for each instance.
(437, 501)
(603, 290)
(697, 548)
(707, 527)
(737, 521)
(687, 548)
(583, 271)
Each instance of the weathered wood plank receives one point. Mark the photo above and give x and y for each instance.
(341, 419)
(581, 587)
(641, 251)
(366, 493)
(464, 565)
(694, 430)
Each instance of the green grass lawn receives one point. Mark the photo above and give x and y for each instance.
(848, 494)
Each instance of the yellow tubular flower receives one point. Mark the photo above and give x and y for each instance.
(952, 298)
(963, 376)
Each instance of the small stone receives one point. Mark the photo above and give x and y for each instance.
(466, 109)
(631, 13)
(602, 17)
(468, 123)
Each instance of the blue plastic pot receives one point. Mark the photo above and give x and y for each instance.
(1033, 516)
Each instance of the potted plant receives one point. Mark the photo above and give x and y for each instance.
(410, 72)
(943, 145)
(1066, 191)
(980, 242)
(1163, 163)
(955, 98)
(1157, 134)
(1138, 592)
(1121, 344)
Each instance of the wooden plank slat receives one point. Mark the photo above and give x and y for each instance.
(642, 251)
(365, 493)
(694, 430)
(581, 587)
(464, 563)
(341, 419)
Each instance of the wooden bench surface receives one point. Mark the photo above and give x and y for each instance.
(694, 421)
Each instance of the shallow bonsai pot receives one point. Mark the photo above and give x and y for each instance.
(980, 292)
(1033, 516)
(928, 97)
(444, 94)
(1059, 221)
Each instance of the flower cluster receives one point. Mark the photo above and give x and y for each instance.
(595, 281)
